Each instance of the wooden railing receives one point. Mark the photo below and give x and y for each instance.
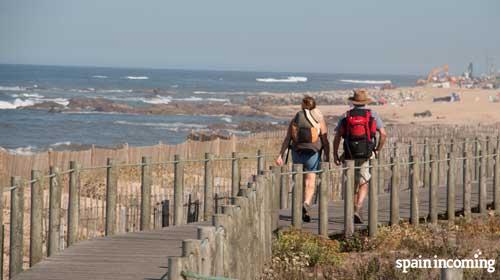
(63, 223)
(223, 249)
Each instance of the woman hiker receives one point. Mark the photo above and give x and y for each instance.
(307, 138)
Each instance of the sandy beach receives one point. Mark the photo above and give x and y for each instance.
(474, 107)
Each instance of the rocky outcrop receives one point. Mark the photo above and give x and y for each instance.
(98, 105)
(174, 108)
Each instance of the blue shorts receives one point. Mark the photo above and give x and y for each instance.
(310, 159)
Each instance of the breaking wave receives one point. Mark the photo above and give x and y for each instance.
(156, 100)
(27, 95)
(64, 143)
(99, 77)
(175, 126)
(372, 82)
(23, 151)
(291, 79)
(30, 99)
(114, 90)
(137, 77)
(227, 119)
(16, 103)
(15, 88)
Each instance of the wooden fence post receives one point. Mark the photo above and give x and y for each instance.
(36, 237)
(477, 147)
(275, 199)
(208, 203)
(284, 188)
(451, 274)
(323, 200)
(297, 195)
(373, 199)
(427, 170)
(73, 203)
(487, 152)
(178, 191)
(260, 161)
(380, 173)
(394, 220)
(496, 182)
(467, 187)
(54, 211)
(16, 227)
(433, 190)
(440, 155)
(414, 191)
(235, 174)
(111, 190)
(349, 200)
(146, 182)
(482, 183)
(450, 194)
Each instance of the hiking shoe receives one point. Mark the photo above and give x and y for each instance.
(357, 218)
(305, 216)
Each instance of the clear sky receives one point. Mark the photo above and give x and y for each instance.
(380, 36)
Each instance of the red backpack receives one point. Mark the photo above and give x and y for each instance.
(360, 130)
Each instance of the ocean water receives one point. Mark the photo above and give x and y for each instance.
(24, 131)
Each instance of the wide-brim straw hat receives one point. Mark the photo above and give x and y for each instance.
(360, 97)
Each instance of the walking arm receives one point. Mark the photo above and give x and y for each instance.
(336, 144)
(383, 137)
(285, 145)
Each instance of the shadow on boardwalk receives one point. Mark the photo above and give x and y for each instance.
(143, 255)
(138, 255)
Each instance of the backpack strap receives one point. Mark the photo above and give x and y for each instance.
(346, 124)
(368, 117)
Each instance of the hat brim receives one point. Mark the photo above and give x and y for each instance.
(358, 102)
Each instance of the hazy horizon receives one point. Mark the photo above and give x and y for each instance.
(384, 37)
(203, 69)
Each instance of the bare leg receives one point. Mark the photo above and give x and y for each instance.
(360, 196)
(310, 182)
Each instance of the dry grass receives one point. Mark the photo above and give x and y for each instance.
(361, 257)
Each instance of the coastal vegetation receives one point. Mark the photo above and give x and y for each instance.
(302, 255)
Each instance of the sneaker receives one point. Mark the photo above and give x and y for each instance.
(357, 218)
(305, 216)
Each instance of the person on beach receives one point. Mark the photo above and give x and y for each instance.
(358, 127)
(307, 139)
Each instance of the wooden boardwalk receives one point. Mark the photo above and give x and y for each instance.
(138, 255)
(143, 255)
(336, 209)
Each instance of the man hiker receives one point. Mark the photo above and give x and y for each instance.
(358, 128)
(306, 138)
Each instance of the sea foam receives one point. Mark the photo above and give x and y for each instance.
(22, 101)
(137, 77)
(15, 88)
(291, 79)
(156, 100)
(175, 126)
(99, 77)
(23, 151)
(16, 103)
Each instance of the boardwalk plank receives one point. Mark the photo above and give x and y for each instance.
(143, 255)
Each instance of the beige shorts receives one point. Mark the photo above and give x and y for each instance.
(362, 174)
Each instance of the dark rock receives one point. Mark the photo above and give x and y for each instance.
(48, 105)
(425, 114)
